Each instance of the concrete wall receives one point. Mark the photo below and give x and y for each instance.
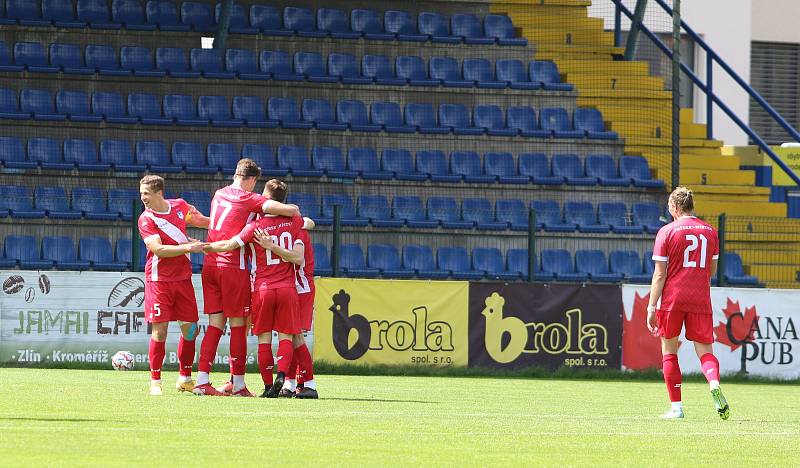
(776, 21)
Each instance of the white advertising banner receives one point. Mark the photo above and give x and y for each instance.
(58, 317)
(756, 330)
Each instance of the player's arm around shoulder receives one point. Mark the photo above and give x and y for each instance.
(280, 209)
(308, 224)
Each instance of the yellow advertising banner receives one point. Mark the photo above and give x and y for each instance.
(791, 157)
(420, 323)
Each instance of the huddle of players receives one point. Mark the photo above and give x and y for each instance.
(242, 225)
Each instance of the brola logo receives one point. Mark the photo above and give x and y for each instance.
(416, 332)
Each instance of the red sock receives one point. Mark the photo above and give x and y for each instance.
(265, 363)
(284, 355)
(156, 354)
(238, 350)
(306, 364)
(672, 376)
(291, 374)
(208, 348)
(710, 366)
(185, 356)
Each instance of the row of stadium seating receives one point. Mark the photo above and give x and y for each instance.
(278, 65)
(250, 111)
(328, 22)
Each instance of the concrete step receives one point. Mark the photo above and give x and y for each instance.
(770, 257)
(730, 190)
(717, 177)
(768, 225)
(568, 36)
(613, 82)
(726, 197)
(692, 130)
(735, 208)
(689, 161)
(607, 66)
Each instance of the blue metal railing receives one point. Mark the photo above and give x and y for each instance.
(707, 87)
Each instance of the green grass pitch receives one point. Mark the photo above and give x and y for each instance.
(106, 418)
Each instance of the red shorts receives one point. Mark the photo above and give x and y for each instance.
(699, 326)
(305, 311)
(169, 301)
(226, 290)
(274, 309)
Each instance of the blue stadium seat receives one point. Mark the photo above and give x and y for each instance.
(336, 23)
(320, 113)
(559, 262)
(9, 106)
(456, 261)
(650, 265)
(48, 154)
(423, 117)
(481, 73)
(492, 120)
(244, 63)
(734, 271)
(421, 259)
(365, 161)
(637, 170)
(297, 160)
(402, 24)
(595, 265)
(301, 21)
(96, 14)
(15, 200)
(447, 71)
(309, 206)
(555, 119)
(603, 167)
(104, 60)
(468, 165)
(570, 167)
(83, 153)
(546, 73)
(6, 62)
(444, 210)
(68, 58)
(12, 154)
(348, 209)
(209, 63)
(549, 218)
(199, 199)
(628, 264)
(584, 216)
(222, 156)
(218, 111)
(147, 108)
(379, 68)
(616, 214)
(154, 154)
(436, 26)
(376, 209)
(479, 211)
(252, 112)
(400, 163)
(268, 20)
(354, 114)
(25, 250)
(389, 116)
(648, 216)
(368, 23)
(25, 11)
(523, 119)
(435, 164)
(515, 75)
(119, 154)
(468, 27)
(75, 105)
(386, 258)
(121, 201)
(97, 250)
(491, 261)
(591, 121)
(139, 61)
(173, 61)
(285, 111)
(55, 202)
(131, 15)
(412, 69)
(263, 156)
(410, 209)
(351, 261)
(513, 213)
(111, 107)
(92, 202)
(191, 158)
(331, 160)
(61, 250)
(60, 13)
(40, 104)
(238, 21)
(278, 65)
(501, 165)
(536, 166)
(322, 261)
(458, 119)
(518, 262)
(33, 56)
(198, 16)
(180, 108)
(501, 29)
(164, 15)
(312, 67)
(345, 68)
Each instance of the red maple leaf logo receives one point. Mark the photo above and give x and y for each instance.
(640, 349)
(738, 327)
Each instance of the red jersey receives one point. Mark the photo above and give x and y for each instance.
(285, 232)
(688, 245)
(231, 209)
(170, 227)
(304, 274)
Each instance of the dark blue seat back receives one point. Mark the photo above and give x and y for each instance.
(557, 261)
(418, 257)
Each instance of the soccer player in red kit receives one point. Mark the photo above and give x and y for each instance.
(226, 275)
(168, 292)
(685, 255)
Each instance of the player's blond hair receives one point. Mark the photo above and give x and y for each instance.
(154, 182)
(682, 199)
(276, 190)
(246, 167)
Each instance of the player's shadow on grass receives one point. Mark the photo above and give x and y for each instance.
(379, 400)
(79, 420)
